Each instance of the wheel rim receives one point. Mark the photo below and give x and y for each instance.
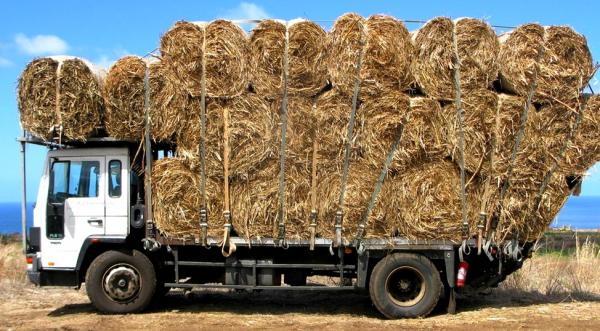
(405, 286)
(121, 282)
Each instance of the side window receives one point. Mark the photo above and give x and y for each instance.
(59, 181)
(84, 179)
(114, 179)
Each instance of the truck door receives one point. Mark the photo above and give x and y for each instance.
(75, 208)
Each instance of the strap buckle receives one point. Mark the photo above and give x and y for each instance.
(339, 217)
(203, 226)
(312, 228)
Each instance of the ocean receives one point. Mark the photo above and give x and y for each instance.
(578, 213)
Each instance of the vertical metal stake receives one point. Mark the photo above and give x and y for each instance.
(23, 198)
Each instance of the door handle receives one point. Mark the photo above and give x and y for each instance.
(95, 221)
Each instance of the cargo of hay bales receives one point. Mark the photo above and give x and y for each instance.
(382, 44)
(305, 44)
(61, 95)
(478, 50)
(564, 65)
(217, 50)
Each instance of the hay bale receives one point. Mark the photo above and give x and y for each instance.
(478, 50)
(306, 45)
(251, 134)
(177, 199)
(169, 105)
(181, 49)
(478, 124)
(584, 149)
(424, 135)
(423, 202)
(61, 91)
(333, 115)
(124, 99)
(222, 46)
(505, 130)
(387, 53)
(565, 66)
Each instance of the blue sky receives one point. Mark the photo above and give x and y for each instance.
(103, 31)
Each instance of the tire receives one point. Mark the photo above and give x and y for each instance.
(405, 285)
(121, 282)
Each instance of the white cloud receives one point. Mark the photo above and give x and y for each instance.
(4, 62)
(246, 11)
(41, 44)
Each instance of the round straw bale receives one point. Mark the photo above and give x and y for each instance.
(505, 129)
(226, 56)
(424, 203)
(301, 126)
(584, 149)
(251, 134)
(518, 57)
(267, 47)
(424, 135)
(168, 104)
(387, 53)
(222, 46)
(333, 114)
(182, 51)
(306, 46)
(565, 66)
(478, 50)
(479, 108)
(78, 85)
(124, 98)
(177, 199)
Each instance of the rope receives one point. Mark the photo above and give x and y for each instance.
(340, 212)
(282, 147)
(461, 134)
(202, 148)
(378, 185)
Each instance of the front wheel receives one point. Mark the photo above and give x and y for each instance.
(405, 285)
(121, 282)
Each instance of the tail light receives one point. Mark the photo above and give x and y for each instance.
(29, 259)
(461, 277)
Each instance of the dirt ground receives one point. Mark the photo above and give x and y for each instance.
(66, 309)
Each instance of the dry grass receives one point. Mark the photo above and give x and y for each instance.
(575, 277)
(12, 267)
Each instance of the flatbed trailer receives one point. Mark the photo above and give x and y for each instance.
(90, 226)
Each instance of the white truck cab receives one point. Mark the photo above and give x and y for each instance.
(83, 192)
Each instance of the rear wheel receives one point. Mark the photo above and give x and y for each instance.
(119, 282)
(405, 285)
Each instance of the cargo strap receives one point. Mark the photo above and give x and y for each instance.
(57, 127)
(339, 215)
(377, 190)
(491, 229)
(282, 148)
(150, 231)
(313, 185)
(228, 247)
(202, 149)
(461, 139)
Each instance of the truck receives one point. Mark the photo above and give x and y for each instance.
(92, 225)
